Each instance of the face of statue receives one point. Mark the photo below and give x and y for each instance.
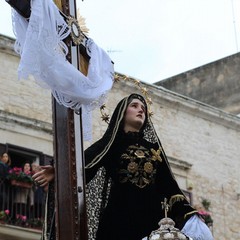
(134, 116)
(5, 158)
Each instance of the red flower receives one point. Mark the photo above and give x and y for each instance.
(24, 218)
(7, 211)
(202, 212)
(206, 217)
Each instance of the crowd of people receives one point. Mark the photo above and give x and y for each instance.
(20, 197)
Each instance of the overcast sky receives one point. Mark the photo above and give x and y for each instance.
(156, 39)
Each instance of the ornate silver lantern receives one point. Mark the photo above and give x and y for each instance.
(166, 228)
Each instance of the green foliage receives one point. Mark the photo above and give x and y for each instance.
(206, 203)
(4, 216)
(204, 213)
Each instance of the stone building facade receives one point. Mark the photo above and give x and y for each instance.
(216, 84)
(25, 109)
(201, 142)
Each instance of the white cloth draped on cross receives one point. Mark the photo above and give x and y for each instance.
(39, 41)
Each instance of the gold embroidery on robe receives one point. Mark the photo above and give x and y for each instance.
(138, 166)
(156, 154)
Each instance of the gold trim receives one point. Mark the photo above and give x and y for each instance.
(102, 154)
(117, 78)
(176, 198)
(82, 23)
(195, 211)
(105, 117)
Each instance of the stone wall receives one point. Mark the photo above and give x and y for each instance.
(205, 141)
(216, 84)
(202, 142)
(25, 108)
(21, 97)
(208, 139)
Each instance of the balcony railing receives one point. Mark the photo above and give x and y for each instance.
(22, 206)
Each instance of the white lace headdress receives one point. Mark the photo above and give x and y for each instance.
(39, 42)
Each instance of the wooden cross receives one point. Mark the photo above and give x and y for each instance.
(71, 220)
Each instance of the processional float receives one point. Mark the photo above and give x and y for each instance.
(71, 42)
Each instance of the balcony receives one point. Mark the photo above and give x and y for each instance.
(10, 232)
(21, 211)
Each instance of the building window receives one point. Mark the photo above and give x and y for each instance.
(20, 155)
(188, 196)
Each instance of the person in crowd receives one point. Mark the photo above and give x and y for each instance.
(5, 158)
(24, 195)
(5, 163)
(128, 177)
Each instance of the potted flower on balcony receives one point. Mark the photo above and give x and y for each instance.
(21, 220)
(4, 216)
(19, 178)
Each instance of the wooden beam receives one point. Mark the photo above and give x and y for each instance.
(71, 222)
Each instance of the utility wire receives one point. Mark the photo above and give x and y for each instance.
(234, 25)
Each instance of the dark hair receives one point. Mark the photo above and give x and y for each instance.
(9, 162)
(25, 164)
(139, 97)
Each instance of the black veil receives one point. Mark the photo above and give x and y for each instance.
(99, 183)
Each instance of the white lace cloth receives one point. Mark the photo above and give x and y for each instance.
(43, 56)
(197, 229)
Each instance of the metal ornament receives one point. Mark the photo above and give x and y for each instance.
(117, 78)
(75, 30)
(167, 231)
(142, 89)
(166, 228)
